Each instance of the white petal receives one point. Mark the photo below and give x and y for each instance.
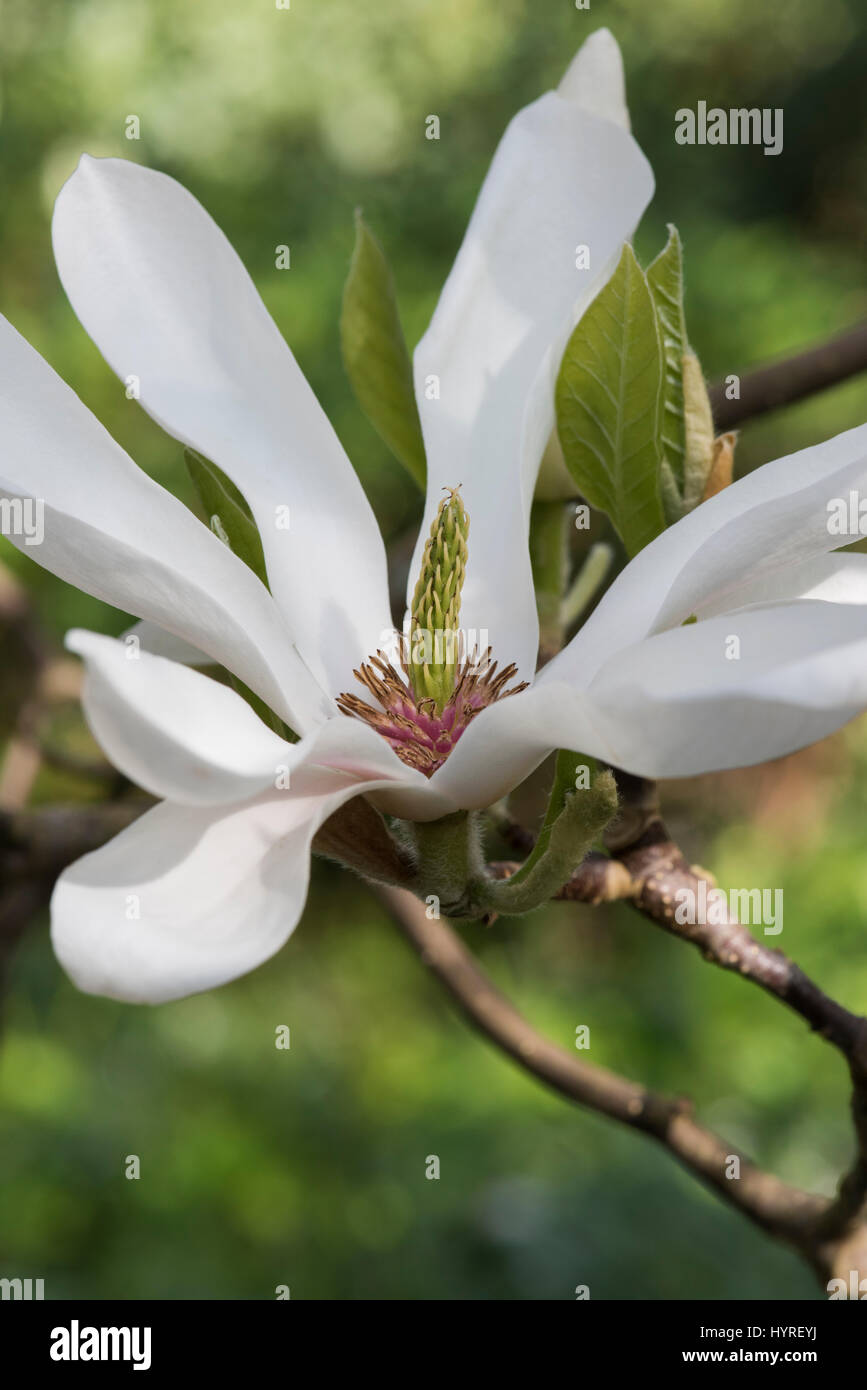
(505, 743)
(188, 898)
(759, 532)
(156, 640)
(561, 178)
(840, 577)
(675, 705)
(594, 79)
(165, 297)
(679, 704)
(187, 739)
(177, 733)
(113, 532)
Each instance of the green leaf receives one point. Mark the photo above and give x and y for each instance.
(265, 713)
(226, 512)
(609, 405)
(375, 353)
(229, 517)
(665, 280)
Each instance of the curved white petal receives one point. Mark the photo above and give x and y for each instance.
(678, 704)
(756, 535)
(840, 577)
(156, 640)
(594, 79)
(484, 371)
(113, 532)
(175, 732)
(187, 739)
(190, 897)
(165, 298)
(689, 700)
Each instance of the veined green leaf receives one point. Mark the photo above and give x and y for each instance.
(375, 353)
(665, 279)
(609, 405)
(226, 511)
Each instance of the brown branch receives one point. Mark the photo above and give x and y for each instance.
(782, 383)
(36, 844)
(648, 869)
(784, 1212)
(659, 870)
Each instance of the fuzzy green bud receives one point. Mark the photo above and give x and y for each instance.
(434, 647)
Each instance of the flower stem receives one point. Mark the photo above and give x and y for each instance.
(449, 857)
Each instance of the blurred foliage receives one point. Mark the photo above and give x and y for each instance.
(262, 1167)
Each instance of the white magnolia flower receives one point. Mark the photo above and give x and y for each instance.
(218, 871)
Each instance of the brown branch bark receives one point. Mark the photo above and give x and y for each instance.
(792, 379)
(647, 869)
(658, 869)
(785, 1212)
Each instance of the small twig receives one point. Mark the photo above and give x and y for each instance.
(648, 869)
(793, 378)
(660, 872)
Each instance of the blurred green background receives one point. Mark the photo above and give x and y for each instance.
(307, 1167)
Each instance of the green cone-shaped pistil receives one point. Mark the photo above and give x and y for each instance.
(434, 646)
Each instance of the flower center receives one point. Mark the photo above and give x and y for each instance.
(421, 735)
(424, 712)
